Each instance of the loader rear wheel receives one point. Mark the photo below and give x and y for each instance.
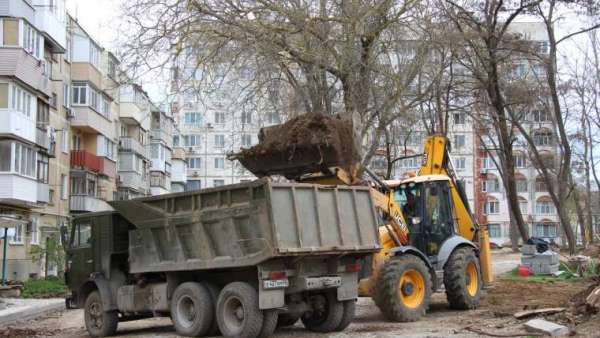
(326, 315)
(99, 323)
(403, 289)
(192, 309)
(462, 279)
(238, 314)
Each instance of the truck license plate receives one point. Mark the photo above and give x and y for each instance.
(276, 284)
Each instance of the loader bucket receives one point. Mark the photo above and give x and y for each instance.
(305, 144)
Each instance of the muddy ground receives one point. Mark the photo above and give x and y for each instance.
(495, 315)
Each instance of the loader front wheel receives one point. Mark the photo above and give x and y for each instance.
(462, 279)
(403, 289)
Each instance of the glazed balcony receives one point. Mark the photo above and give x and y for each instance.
(130, 144)
(85, 203)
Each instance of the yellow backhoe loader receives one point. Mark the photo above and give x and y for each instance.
(430, 240)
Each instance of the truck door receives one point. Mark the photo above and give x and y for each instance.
(80, 255)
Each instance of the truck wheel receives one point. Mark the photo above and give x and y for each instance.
(214, 295)
(462, 279)
(238, 314)
(269, 323)
(326, 314)
(286, 319)
(348, 315)
(192, 309)
(99, 323)
(403, 289)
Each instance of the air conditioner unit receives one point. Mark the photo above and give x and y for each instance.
(195, 174)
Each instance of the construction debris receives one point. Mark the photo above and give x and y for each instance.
(547, 327)
(539, 263)
(545, 311)
(593, 299)
(305, 144)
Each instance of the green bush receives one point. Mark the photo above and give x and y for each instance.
(50, 287)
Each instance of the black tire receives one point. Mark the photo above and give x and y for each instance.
(99, 323)
(192, 309)
(326, 315)
(348, 315)
(238, 314)
(214, 296)
(461, 293)
(269, 323)
(387, 293)
(286, 319)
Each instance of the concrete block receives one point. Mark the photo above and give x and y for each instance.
(549, 328)
(528, 249)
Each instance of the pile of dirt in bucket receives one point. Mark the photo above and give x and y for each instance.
(307, 143)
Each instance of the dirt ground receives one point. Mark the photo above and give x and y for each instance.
(495, 315)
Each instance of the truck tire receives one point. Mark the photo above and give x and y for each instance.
(214, 296)
(348, 315)
(403, 289)
(462, 279)
(326, 315)
(269, 323)
(286, 319)
(238, 314)
(192, 309)
(99, 323)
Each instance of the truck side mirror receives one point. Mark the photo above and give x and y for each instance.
(64, 237)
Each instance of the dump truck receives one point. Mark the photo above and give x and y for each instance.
(235, 260)
(430, 240)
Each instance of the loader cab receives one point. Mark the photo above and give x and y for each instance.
(427, 207)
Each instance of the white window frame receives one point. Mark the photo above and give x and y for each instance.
(34, 234)
(219, 163)
(64, 145)
(64, 187)
(219, 141)
(79, 87)
(492, 211)
(14, 240)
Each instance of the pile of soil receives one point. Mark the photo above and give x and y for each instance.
(307, 143)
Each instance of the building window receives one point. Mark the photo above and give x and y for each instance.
(65, 141)
(31, 40)
(459, 118)
(192, 140)
(63, 187)
(273, 118)
(25, 162)
(459, 141)
(219, 141)
(5, 155)
(51, 196)
(112, 68)
(492, 207)
(193, 185)
(192, 118)
(79, 93)
(488, 163)
(542, 138)
(218, 183)
(10, 29)
(540, 116)
(15, 235)
(495, 230)
(520, 160)
(194, 162)
(42, 168)
(521, 185)
(94, 55)
(545, 230)
(105, 108)
(460, 163)
(219, 163)
(21, 100)
(246, 140)
(34, 233)
(491, 185)
(540, 185)
(523, 207)
(219, 117)
(544, 208)
(246, 117)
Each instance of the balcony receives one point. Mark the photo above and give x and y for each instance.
(159, 180)
(87, 119)
(133, 112)
(53, 29)
(133, 180)
(18, 190)
(17, 124)
(86, 160)
(109, 167)
(18, 9)
(84, 71)
(85, 203)
(42, 138)
(178, 173)
(43, 192)
(131, 144)
(161, 135)
(18, 63)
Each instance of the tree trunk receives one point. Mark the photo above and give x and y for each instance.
(513, 233)
(580, 217)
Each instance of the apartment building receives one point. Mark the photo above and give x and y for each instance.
(475, 163)
(34, 152)
(178, 169)
(161, 150)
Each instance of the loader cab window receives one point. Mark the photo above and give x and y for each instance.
(82, 236)
(438, 215)
(408, 196)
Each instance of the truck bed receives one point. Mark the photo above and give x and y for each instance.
(245, 224)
